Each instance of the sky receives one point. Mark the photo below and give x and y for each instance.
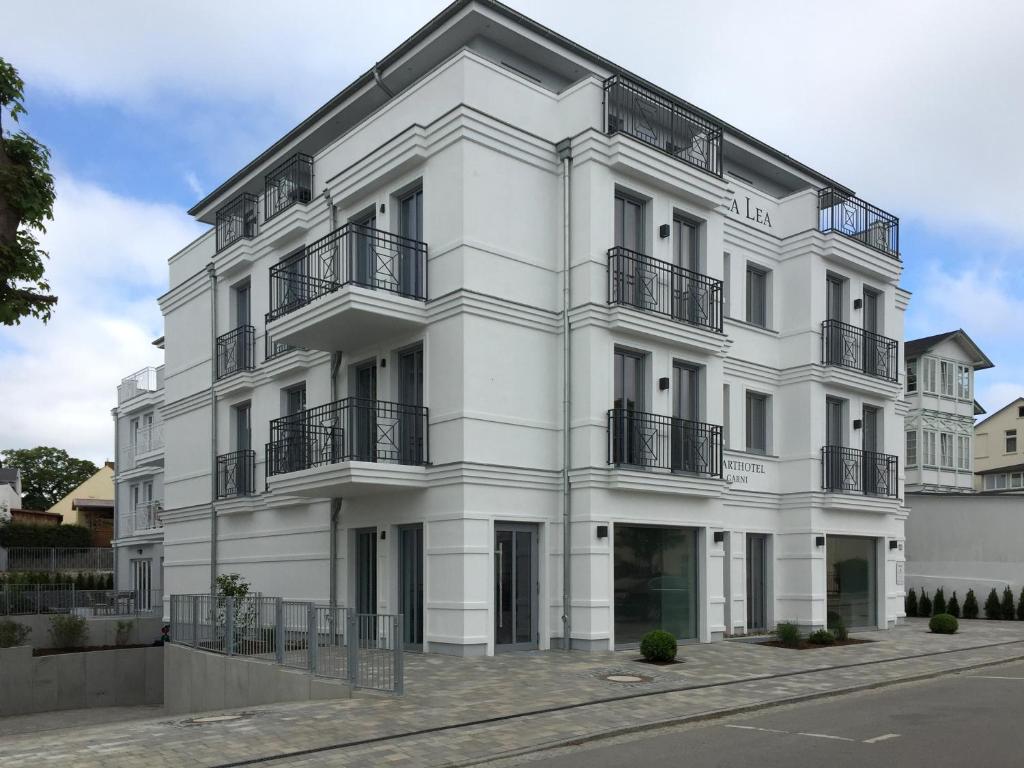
(146, 107)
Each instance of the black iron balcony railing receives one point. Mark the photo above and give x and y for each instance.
(350, 255)
(289, 183)
(855, 471)
(272, 348)
(353, 429)
(235, 351)
(648, 440)
(236, 474)
(661, 288)
(851, 347)
(636, 111)
(851, 216)
(237, 220)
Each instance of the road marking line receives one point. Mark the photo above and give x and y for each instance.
(825, 736)
(755, 728)
(995, 677)
(882, 738)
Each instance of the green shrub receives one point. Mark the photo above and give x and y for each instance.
(124, 632)
(992, 608)
(910, 603)
(1007, 605)
(24, 535)
(788, 634)
(970, 605)
(821, 637)
(232, 585)
(953, 607)
(924, 607)
(69, 631)
(1020, 606)
(943, 624)
(12, 633)
(658, 645)
(842, 634)
(939, 602)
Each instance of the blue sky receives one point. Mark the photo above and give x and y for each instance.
(146, 108)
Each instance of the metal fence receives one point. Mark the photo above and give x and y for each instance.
(24, 599)
(54, 559)
(365, 649)
(145, 517)
(236, 474)
(140, 382)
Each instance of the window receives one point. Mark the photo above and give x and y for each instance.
(726, 285)
(1011, 441)
(911, 449)
(1020, 411)
(757, 296)
(1015, 479)
(912, 375)
(757, 422)
(243, 303)
(629, 223)
(946, 378)
(243, 427)
(963, 382)
(725, 416)
(928, 373)
(295, 399)
(946, 450)
(928, 448)
(136, 497)
(990, 482)
(963, 452)
(1000, 482)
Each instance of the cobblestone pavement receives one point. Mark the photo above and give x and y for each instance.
(493, 707)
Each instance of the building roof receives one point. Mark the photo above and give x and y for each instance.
(1001, 470)
(916, 347)
(979, 408)
(11, 476)
(92, 504)
(1015, 401)
(98, 487)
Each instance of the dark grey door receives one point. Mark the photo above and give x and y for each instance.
(688, 443)
(298, 448)
(366, 571)
(833, 421)
(515, 586)
(757, 546)
(690, 300)
(363, 414)
(363, 243)
(875, 352)
(835, 460)
(410, 399)
(410, 226)
(410, 584)
(627, 421)
(873, 463)
(838, 340)
(243, 305)
(629, 224)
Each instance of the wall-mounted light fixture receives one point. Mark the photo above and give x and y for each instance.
(383, 362)
(664, 230)
(382, 207)
(819, 541)
(663, 383)
(383, 535)
(858, 303)
(857, 423)
(602, 531)
(719, 537)
(893, 544)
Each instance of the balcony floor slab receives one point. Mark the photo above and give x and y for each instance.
(349, 478)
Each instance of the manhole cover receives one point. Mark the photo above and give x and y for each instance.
(624, 678)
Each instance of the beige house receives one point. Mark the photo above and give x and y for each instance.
(91, 504)
(999, 450)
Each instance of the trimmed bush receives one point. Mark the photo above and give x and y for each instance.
(24, 535)
(658, 645)
(788, 634)
(12, 633)
(992, 608)
(970, 605)
(842, 634)
(837, 626)
(69, 631)
(1007, 605)
(943, 624)
(910, 603)
(939, 602)
(821, 637)
(953, 608)
(924, 608)
(1020, 606)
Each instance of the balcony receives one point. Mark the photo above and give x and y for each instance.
(236, 351)
(354, 444)
(289, 183)
(140, 383)
(651, 441)
(855, 349)
(664, 124)
(237, 220)
(660, 288)
(352, 286)
(858, 220)
(850, 470)
(236, 474)
(144, 519)
(146, 445)
(273, 348)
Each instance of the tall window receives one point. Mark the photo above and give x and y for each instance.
(963, 382)
(912, 375)
(295, 399)
(912, 449)
(1011, 441)
(629, 223)
(946, 450)
(757, 422)
(757, 296)
(963, 452)
(928, 448)
(928, 373)
(946, 378)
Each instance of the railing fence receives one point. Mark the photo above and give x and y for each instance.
(54, 559)
(25, 599)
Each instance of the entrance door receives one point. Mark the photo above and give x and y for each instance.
(851, 583)
(410, 398)
(515, 586)
(366, 571)
(142, 583)
(410, 584)
(757, 550)
(686, 436)
(364, 414)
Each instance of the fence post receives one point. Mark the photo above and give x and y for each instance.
(312, 643)
(195, 620)
(37, 599)
(174, 620)
(229, 626)
(279, 630)
(53, 560)
(352, 645)
(398, 640)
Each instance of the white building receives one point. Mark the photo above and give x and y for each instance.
(939, 387)
(380, 390)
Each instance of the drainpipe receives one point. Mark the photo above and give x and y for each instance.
(335, 502)
(380, 82)
(117, 510)
(212, 272)
(564, 150)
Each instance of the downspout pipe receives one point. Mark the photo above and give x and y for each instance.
(564, 149)
(117, 509)
(335, 502)
(380, 81)
(211, 270)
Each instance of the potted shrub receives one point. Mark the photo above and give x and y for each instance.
(943, 624)
(659, 646)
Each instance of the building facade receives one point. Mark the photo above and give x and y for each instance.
(999, 464)
(513, 343)
(939, 390)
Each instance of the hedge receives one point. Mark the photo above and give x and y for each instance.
(62, 536)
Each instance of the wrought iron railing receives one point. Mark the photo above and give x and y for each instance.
(237, 220)
(236, 351)
(353, 429)
(855, 471)
(651, 441)
(350, 255)
(664, 124)
(289, 183)
(661, 288)
(139, 383)
(854, 348)
(861, 221)
(236, 474)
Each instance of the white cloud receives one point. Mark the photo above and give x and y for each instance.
(192, 180)
(982, 301)
(108, 264)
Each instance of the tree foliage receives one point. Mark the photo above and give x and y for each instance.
(47, 474)
(26, 203)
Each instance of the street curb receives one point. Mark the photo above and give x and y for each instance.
(716, 714)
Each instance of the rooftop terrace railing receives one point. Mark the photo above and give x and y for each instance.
(858, 220)
(288, 184)
(237, 220)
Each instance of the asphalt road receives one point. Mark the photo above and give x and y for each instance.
(972, 719)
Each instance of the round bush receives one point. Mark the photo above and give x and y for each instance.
(943, 624)
(821, 637)
(659, 645)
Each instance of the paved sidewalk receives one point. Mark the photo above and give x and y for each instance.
(527, 699)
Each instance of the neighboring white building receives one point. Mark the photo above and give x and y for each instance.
(939, 390)
(10, 492)
(139, 483)
(372, 398)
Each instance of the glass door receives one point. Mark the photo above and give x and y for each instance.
(690, 301)
(834, 440)
(851, 581)
(366, 571)
(141, 583)
(410, 584)
(410, 396)
(757, 546)
(364, 444)
(515, 586)
(874, 352)
(628, 427)
(870, 445)
(364, 256)
(632, 282)
(410, 226)
(687, 439)
(837, 336)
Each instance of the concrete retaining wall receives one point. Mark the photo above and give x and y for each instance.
(200, 681)
(102, 629)
(123, 677)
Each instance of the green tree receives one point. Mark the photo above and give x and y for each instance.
(970, 605)
(47, 474)
(993, 610)
(939, 601)
(26, 202)
(910, 603)
(1007, 604)
(953, 607)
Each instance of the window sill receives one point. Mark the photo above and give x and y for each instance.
(752, 326)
